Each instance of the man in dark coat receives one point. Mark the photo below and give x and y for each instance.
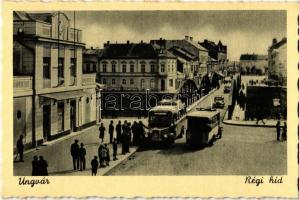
(43, 166)
(111, 130)
(82, 153)
(75, 154)
(20, 148)
(284, 132)
(35, 167)
(135, 132)
(278, 130)
(114, 145)
(102, 132)
(118, 132)
(107, 157)
(94, 166)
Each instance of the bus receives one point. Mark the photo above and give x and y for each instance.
(202, 126)
(162, 124)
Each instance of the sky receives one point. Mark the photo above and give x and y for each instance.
(241, 31)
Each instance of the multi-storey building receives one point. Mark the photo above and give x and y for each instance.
(217, 52)
(277, 61)
(52, 97)
(253, 63)
(193, 56)
(137, 67)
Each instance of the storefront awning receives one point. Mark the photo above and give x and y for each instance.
(66, 95)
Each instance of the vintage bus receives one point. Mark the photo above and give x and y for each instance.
(162, 124)
(202, 126)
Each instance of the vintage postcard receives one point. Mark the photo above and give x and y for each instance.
(149, 99)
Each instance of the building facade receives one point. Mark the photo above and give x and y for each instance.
(253, 64)
(137, 67)
(277, 61)
(52, 95)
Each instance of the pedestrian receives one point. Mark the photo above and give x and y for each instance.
(111, 130)
(128, 138)
(278, 130)
(118, 132)
(114, 145)
(94, 166)
(43, 166)
(100, 154)
(135, 132)
(284, 132)
(107, 156)
(35, 166)
(103, 156)
(102, 132)
(82, 153)
(75, 154)
(20, 149)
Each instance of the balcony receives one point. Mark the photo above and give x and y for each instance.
(43, 29)
(22, 83)
(89, 79)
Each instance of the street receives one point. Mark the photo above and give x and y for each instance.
(241, 151)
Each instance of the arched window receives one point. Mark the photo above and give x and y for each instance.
(152, 83)
(131, 81)
(124, 82)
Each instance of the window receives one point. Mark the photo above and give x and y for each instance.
(73, 66)
(131, 81)
(104, 81)
(152, 68)
(87, 100)
(172, 68)
(162, 68)
(113, 81)
(142, 83)
(61, 67)
(46, 68)
(94, 67)
(168, 68)
(113, 68)
(124, 66)
(142, 68)
(60, 113)
(124, 82)
(131, 68)
(152, 83)
(104, 67)
(19, 114)
(170, 82)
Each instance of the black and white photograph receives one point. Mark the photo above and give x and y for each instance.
(149, 93)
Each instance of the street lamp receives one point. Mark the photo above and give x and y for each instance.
(99, 96)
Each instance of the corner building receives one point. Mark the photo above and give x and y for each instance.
(52, 97)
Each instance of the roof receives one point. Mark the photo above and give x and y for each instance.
(202, 114)
(164, 108)
(92, 51)
(182, 53)
(129, 50)
(253, 57)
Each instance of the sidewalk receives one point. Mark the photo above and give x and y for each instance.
(238, 120)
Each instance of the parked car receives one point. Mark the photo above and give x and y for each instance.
(218, 102)
(226, 89)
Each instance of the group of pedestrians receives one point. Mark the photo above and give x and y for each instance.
(78, 156)
(39, 166)
(283, 136)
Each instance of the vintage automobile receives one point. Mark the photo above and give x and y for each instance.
(218, 102)
(202, 126)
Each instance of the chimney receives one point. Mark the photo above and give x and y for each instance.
(141, 42)
(191, 38)
(186, 37)
(91, 47)
(128, 41)
(274, 41)
(107, 43)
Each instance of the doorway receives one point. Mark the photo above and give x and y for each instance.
(46, 122)
(73, 116)
(162, 85)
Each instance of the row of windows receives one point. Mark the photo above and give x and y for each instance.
(47, 67)
(131, 82)
(132, 68)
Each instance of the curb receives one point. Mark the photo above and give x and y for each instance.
(252, 125)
